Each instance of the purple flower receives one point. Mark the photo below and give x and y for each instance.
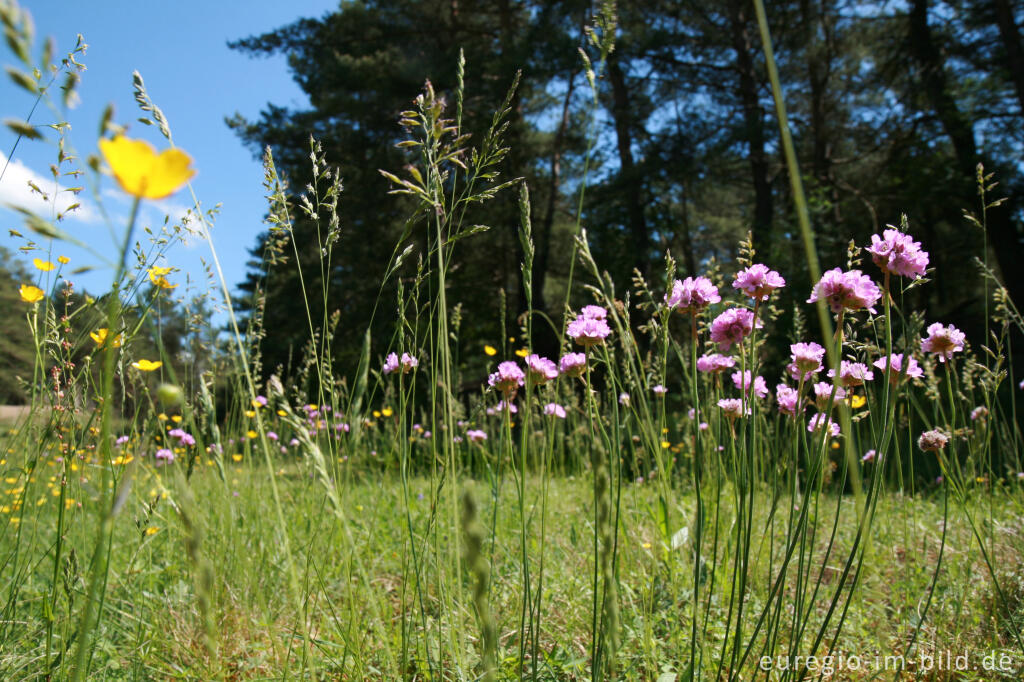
(820, 421)
(390, 363)
(589, 331)
(510, 406)
(692, 295)
(508, 378)
(869, 456)
(943, 341)
(659, 390)
(262, 400)
(852, 373)
(121, 440)
(787, 398)
(594, 312)
(409, 363)
(898, 253)
(476, 436)
(541, 369)
(732, 407)
(554, 410)
(714, 363)
(758, 281)
(822, 393)
(932, 441)
(742, 382)
(165, 455)
(851, 290)
(732, 326)
(894, 367)
(806, 358)
(573, 364)
(271, 435)
(979, 412)
(183, 437)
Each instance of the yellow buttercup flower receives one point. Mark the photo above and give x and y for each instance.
(144, 173)
(158, 277)
(147, 365)
(63, 260)
(100, 337)
(386, 411)
(522, 352)
(43, 265)
(857, 401)
(490, 350)
(30, 294)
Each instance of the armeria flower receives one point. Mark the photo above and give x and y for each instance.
(573, 364)
(895, 367)
(158, 276)
(165, 455)
(692, 295)
(30, 294)
(822, 392)
(742, 382)
(852, 374)
(121, 440)
(624, 399)
(409, 363)
(732, 326)
(943, 341)
(390, 363)
(554, 410)
(142, 172)
(589, 331)
(502, 406)
(820, 421)
(898, 253)
(932, 441)
(43, 265)
(541, 369)
(183, 436)
(594, 312)
(758, 281)
(147, 365)
(869, 456)
(101, 334)
(979, 412)
(508, 378)
(659, 391)
(807, 357)
(851, 290)
(732, 407)
(714, 362)
(476, 436)
(788, 399)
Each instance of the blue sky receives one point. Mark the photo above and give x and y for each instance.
(180, 48)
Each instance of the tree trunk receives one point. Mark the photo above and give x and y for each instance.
(1010, 35)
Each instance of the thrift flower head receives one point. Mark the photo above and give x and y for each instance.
(820, 421)
(898, 253)
(932, 441)
(476, 436)
(742, 382)
(787, 398)
(390, 363)
(979, 412)
(822, 392)
(624, 399)
(714, 362)
(142, 172)
(541, 369)
(943, 341)
(165, 455)
(758, 281)
(732, 326)
(659, 390)
(508, 378)
(589, 331)
(409, 363)
(30, 294)
(852, 373)
(692, 295)
(594, 312)
(851, 290)
(573, 364)
(554, 410)
(503, 405)
(895, 367)
(869, 456)
(732, 407)
(807, 357)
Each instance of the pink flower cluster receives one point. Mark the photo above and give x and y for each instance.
(851, 290)
(758, 281)
(742, 382)
(732, 326)
(898, 253)
(392, 363)
(714, 363)
(692, 295)
(852, 373)
(943, 341)
(590, 327)
(508, 378)
(893, 366)
(541, 369)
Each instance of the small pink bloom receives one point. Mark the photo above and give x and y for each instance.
(898, 253)
(541, 369)
(932, 441)
(508, 378)
(852, 373)
(554, 410)
(943, 341)
(692, 295)
(851, 290)
(758, 281)
(659, 390)
(732, 407)
(588, 331)
(742, 382)
(573, 364)
(714, 363)
(476, 436)
(732, 326)
(895, 367)
(820, 421)
(822, 392)
(787, 398)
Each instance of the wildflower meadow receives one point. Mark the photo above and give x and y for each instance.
(669, 493)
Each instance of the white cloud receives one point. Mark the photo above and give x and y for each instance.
(16, 190)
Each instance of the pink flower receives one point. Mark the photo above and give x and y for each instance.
(508, 378)
(594, 312)
(806, 358)
(852, 374)
(732, 407)
(869, 456)
(692, 295)
(787, 398)
(758, 281)
(659, 390)
(165, 455)
(943, 341)
(476, 436)
(895, 367)
(742, 382)
(408, 363)
(502, 405)
(714, 363)
(390, 363)
(573, 364)
(898, 253)
(822, 392)
(541, 369)
(554, 410)
(932, 441)
(851, 290)
(979, 412)
(589, 331)
(820, 421)
(732, 326)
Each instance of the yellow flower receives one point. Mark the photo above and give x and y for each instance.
(376, 414)
(522, 352)
(43, 265)
(490, 350)
(162, 417)
(152, 530)
(282, 413)
(63, 260)
(237, 458)
(250, 413)
(158, 277)
(100, 337)
(665, 445)
(176, 419)
(142, 172)
(386, 411)
(251, 434)
(147, 365)
(857, 401)
(30, 294)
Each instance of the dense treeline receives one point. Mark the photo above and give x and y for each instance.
(893, 106)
